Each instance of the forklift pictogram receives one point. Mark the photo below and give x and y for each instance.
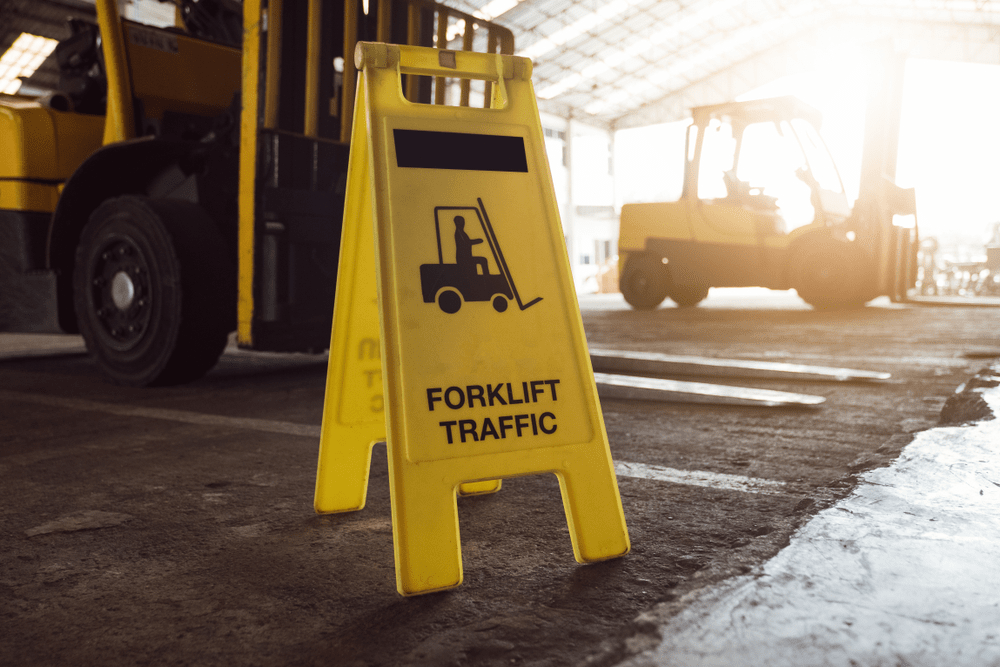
(469, 277)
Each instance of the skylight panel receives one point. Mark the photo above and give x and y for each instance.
(22, 59)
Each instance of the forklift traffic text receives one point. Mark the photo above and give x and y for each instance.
(520, 425)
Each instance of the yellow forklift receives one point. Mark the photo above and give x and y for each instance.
(189, 181)
(763, 205)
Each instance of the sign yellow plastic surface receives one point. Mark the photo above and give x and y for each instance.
(354, 415)
(483, 362)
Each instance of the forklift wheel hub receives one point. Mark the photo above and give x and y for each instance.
(122, 290)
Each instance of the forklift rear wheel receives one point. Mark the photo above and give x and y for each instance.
(499, 303)
(645, 281)
(154, 290)
(450, 301)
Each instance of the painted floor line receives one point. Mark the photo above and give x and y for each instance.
(701, 478)
(167, 414)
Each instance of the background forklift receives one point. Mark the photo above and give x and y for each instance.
(763, 205)
(189, 181)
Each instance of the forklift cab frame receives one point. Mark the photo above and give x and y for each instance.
(830, 203)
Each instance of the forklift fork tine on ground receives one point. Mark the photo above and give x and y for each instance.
(628, 361)
(608, 363)
(629, 387)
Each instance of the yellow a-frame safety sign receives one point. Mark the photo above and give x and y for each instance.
(457, 335)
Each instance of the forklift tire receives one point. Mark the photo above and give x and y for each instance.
(688, 295)
(831, 275)
(645, 281)
(499, 303)
(154, 290)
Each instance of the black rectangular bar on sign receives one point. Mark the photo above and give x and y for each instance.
(459, 150)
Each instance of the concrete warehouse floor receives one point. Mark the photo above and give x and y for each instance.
(901, 572)
(174, 525)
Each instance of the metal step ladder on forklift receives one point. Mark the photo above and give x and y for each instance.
(610, 367)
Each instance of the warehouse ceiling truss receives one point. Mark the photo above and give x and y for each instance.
(627, 63)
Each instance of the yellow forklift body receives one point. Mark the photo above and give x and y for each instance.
(173, 72)
(796, 235)
(723, 223)
(742, 225)
(741, 236)
(28, 196)
(42, 143)
(642, 221)
(42, 148)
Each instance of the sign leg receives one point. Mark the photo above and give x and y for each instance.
(593, 510)
(342, 473)
(425, 532)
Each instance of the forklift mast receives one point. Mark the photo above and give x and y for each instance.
(191, 181)
(298, 105)
(879, 198)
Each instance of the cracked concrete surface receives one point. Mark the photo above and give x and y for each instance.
(901, 572)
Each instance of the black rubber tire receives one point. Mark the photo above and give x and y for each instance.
(687, 295)
(176, 289)
(645, 281)
(831, 275)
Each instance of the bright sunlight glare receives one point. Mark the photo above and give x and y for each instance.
(948, 142)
